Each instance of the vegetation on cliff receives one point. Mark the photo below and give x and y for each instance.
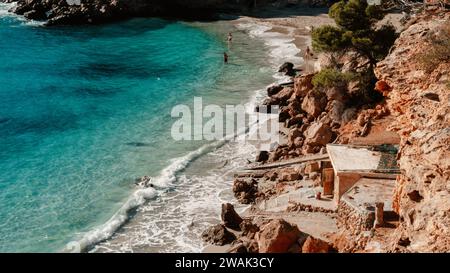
(356, 31)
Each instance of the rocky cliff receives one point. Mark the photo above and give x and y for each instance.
(415, 77)
(58, 12)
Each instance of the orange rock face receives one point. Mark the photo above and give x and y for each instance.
(419, 100)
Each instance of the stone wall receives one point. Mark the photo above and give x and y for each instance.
(354, 220)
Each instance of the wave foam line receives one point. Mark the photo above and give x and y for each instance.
(166, 179)
(4, 9)
(281, 46)
(4, 12)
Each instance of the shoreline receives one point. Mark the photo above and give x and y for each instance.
(277, 42)
(282, 47)
(293, 30)
(292, 33)
(252, 99)
(280, 41)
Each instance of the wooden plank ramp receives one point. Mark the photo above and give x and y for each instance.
(293, 161)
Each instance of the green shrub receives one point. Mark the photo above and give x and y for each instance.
(330, 77)
(329, 38)
(355, 30)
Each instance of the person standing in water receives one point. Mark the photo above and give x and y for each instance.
(225, 57)
(307, 57)
(307, 52)
(229, 40)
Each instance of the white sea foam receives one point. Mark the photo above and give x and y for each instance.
(235, 158)
(282, 48)
(4, 7)
(4, 12)
(175, 222)
(166, 178)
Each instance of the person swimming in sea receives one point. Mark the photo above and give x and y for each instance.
(225, 57)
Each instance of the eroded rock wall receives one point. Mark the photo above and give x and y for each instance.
(419, 100)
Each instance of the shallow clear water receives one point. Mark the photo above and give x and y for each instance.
(84, 111)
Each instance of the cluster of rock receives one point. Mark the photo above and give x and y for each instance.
(248, 190)
(313, 115)
(263, 236)
(64, 12)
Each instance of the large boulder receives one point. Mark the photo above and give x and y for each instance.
(318, 134)
(277, 237)
(287, 68)
(302, 85)
(273, 90)
(282, 97)
(314, 103)
(35, 15)
(245, 190)
(314, 245)
(218, 235)
(229, 216)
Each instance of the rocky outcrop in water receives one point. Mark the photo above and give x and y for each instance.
(62, 12)
(229, 217)
(218, 235)
(245, 190)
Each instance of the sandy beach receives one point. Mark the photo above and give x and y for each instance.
(291, 26)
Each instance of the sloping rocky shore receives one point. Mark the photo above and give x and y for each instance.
(285, 187)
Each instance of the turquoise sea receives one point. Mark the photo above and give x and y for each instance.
(85, 110)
